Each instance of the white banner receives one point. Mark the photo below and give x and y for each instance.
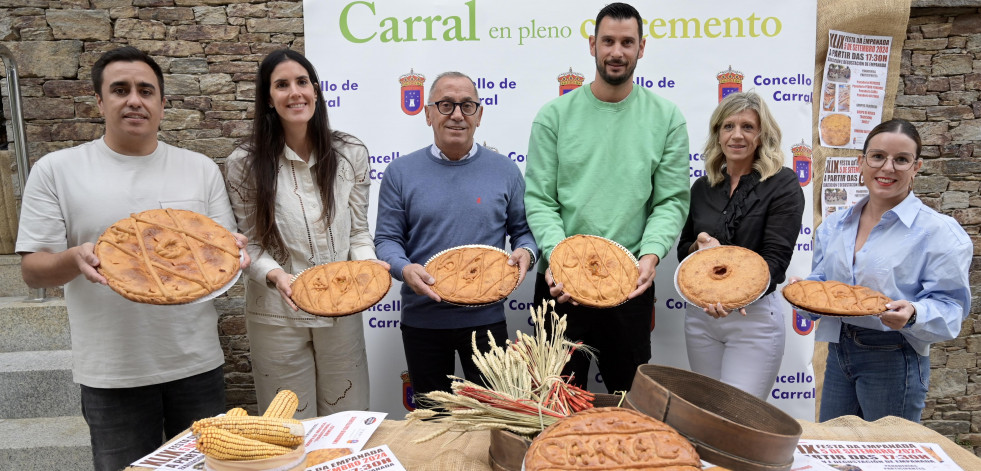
(516, 51)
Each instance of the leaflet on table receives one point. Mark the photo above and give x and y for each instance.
(350, 429)
(854, 87)
(840, 188)
(372, 459)
(873, 456)
(178, 454)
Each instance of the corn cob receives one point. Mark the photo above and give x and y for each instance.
(283, 432)
(283, 405)
(237, 412)
(224, 445)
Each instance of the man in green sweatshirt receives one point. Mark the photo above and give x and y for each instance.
(609, 159)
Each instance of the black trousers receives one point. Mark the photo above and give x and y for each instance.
(430, 354)
(621, 337)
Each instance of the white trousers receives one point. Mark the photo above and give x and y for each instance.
(744, 352)
(327, 367)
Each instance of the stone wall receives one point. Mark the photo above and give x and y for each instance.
(210, 49)
(939, 92)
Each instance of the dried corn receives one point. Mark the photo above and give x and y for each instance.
(237, 412)
(283, 432)
(283, 405)
(224, 445)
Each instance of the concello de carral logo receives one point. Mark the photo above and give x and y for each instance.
(407, 392)
(802, 162)
(730, 81)
(802, 324)
(569, 81)
(412, 92)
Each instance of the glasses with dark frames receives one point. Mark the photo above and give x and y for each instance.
(468, 108)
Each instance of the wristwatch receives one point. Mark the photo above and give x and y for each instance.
(912, 319)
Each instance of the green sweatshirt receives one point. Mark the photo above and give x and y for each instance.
(615, 170)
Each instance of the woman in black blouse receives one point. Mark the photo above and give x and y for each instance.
(748, 198)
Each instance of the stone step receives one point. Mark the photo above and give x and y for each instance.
(33, 326)
(12, 283)
(38, 384)
(48, 443)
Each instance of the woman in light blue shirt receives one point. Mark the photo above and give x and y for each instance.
(890, 242)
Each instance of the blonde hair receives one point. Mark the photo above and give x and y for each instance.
(769, 157)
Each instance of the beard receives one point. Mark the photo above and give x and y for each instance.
(615, 80)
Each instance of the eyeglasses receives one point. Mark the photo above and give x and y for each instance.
(877, 160)
(468, 108)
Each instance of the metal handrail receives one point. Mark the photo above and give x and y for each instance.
(36, 295)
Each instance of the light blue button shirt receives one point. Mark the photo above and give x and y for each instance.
(433, 149)
(913, 253)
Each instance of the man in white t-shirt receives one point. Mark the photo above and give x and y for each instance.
(145, 371)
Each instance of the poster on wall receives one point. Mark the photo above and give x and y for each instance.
(840, 188)
(854, 88)
(377, 61)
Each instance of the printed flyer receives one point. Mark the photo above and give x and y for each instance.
(874, 456)
(840, 187)
(854, 88)
(372, 459)
(350, 430)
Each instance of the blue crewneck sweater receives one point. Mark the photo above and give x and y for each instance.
(426, 205)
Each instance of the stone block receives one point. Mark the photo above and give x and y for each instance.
(966, 97)
(285, 9)
(969, 186)
(938, 113)
(938, 84)
(48, 108)
(34, 58)
(968, 130)
(210, 15)
(930, 184)
(214, 148)
(189, 65)
(76, 131)
(917, 100)
(932, 133)
(962, 360)
(180, 119)
(214, 84)
(945, 383)
(246, 10)
(953, 64)
(168, 48)
(236, 48)
(182, 84)
(972, 81)
(935, 30)
(207, 33)
(969, 403)
(948, 427)
(80, 24)
(236, 128)
(200, 103)
(909, 114)
(231, 67)
(225, 115)
(86, 108)
(288, 25)
(69, 88)
(967, 216)
(7, 32)
(167, 14)
(935, 44)
(131, 28)
(122, 12)
(966, 24)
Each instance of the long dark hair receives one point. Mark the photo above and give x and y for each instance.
(268, 141)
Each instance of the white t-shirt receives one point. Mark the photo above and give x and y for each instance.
(71, 197)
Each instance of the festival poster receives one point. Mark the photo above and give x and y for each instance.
(853, 89)
(874, 456)
(377, 61)
(840, 188)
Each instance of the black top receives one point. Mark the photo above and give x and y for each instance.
(763, 216)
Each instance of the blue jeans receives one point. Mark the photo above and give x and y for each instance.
(872, 374)
(126, 424)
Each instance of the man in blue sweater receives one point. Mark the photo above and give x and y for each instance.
(454, 192)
